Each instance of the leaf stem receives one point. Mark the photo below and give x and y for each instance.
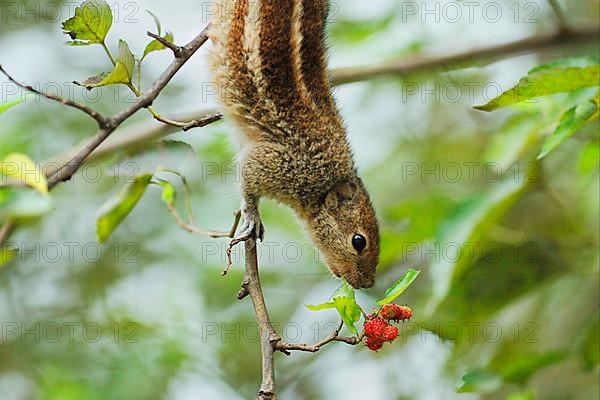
(107, 51)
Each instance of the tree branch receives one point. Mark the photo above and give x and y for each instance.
(268, 336)
(100, 119)
(109, 125)
(172, 46)
(145, 100)
(405, 66)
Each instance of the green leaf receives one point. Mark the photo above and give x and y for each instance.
(322, 306)
(345, 303)
(24, 203)
(91, 23)
(466, 225)
(168, 193)
(479, 381)
(399, 287)
(155, 45)
(4, 107)
(21, 168)
(343, 300)
(560, 76)
(7, 254)
(114, 211)
(126, 58)
(349, 311)
(122, 73)
(570, 122)
(521, 368)
(528, 395)
(589, 349)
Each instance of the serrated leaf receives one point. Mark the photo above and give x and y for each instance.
(155, 45)
(122, 72)
(570, 122)
(4, 107)
(349, 311)
(345, 303)
(399, 287)
(557, 77)
(126, 58)
(22, 168)
(114, 211)
(343, 300)
(90, 24)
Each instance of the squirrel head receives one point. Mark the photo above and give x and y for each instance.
(346, 232)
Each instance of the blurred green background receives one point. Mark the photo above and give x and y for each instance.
(506, 305)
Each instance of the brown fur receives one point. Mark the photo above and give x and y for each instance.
(270, 67)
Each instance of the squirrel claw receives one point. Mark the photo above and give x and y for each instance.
(252, 227)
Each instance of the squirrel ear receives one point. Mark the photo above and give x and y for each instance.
(339, 193)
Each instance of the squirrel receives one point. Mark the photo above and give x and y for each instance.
(268, 61)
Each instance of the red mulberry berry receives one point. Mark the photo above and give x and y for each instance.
(374, 343)
(394, 312)
(390, 333)
(374, 328)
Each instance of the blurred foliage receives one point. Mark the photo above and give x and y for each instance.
(507, 301)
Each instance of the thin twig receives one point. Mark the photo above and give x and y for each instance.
(145, 100)
(560, 15)
(192, 229)
(100, 119)
(186, 126)
(285, 347)
(172, 46)
(132, 138)
(107, 125)
(6, 230)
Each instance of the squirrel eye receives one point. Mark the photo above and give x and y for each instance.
(359, 242)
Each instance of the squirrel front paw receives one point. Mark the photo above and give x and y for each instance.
(252, 227)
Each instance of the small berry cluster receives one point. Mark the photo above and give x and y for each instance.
(377, 327)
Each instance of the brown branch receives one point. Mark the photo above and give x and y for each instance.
(145, 100)
(133, 138)
(270, 341)
(186, 126)
(268, 336)
(409, 66)
(108, 125)
(6, 230)
(172, 46)
(100, 119)
(313, 348)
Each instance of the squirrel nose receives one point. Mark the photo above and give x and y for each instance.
(368, 282)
